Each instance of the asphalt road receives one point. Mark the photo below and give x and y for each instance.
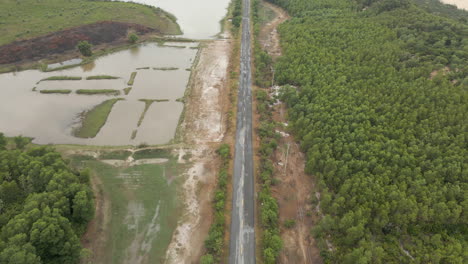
(242, 241)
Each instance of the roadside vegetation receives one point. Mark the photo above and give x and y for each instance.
(62, 78)
(102, 77)
(271, 242)
(214, 244)
(45, 206)
(94, 119)
(376, 92)
(30, 18)
(61, 91)
(98, 91)
(132, 78)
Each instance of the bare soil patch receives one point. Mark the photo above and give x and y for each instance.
(268, 36)
(106, 32)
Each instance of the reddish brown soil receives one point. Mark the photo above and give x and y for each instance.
(66, 40)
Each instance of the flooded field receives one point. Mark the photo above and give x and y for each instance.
(198, 19)
(50, 118)
(461, 4)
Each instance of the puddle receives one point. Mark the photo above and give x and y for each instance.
(198, 19)
(64, 63)
(50, 118)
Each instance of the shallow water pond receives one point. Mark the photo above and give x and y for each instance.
(50, 118)
(198, 19)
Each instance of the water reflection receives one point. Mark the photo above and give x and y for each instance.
(88, 66)
(198, 19)
(50, 118)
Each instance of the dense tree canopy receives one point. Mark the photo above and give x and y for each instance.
(44, 206)
(378, 97)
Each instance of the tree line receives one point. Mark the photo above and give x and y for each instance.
(44, 205)
(377, 96)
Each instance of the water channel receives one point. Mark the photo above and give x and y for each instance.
(51, 118)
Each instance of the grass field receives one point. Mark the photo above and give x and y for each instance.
(63, 91)
(152, 154)
(101, 77)
(116, 155)
(94, 119)
(127, 90)
(144, 210)
(31, 18)
(98, 91)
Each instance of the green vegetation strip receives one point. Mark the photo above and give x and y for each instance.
(64, 91)
(215, 242)
(148, 103)
(152, 154)
(98, 91)
(94, 119)
(62, 78)
(101, 77)
(115, 155)
(30, 18)
(165, 68)
(127, 90)
(132, 78)
(385, 140)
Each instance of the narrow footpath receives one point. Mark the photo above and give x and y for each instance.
(242, 240)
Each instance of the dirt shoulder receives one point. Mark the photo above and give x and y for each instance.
(294, 189)
(203, 128)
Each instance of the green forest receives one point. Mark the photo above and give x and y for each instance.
(44, 205)
(377, 97)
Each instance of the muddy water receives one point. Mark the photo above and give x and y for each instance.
(461, 4)
(50, 118)
(198, 19)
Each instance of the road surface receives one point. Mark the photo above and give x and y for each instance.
(242, 241)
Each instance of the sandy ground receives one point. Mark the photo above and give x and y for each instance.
(295, 189)
(204, 128)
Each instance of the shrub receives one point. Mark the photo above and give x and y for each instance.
(85, 48)
(132, 38)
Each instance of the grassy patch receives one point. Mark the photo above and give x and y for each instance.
(94, 119)
(143, 68)
(62, 91)
(31, 18)
(101, 77)
(127, 90)
(132, 78)
(141, 199)
(115, 155)
(62, 78)
(98, 91)
(152, 154)
(165, 68)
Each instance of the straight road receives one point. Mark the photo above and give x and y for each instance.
(242, 241)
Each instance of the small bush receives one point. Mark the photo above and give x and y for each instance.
(290, 223)
(85, 48)
(132, 38)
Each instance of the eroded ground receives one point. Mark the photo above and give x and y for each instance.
(294, 189)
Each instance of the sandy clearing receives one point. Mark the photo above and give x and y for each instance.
(204, 128)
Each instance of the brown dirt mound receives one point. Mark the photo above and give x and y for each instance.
(66, 40)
